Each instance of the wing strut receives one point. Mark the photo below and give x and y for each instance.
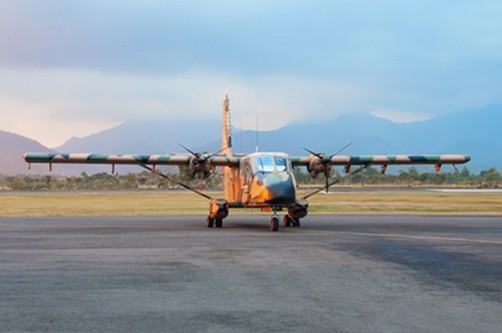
(158, 173)
(361, 168)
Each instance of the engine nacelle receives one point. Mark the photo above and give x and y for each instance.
(299, 210)
(316, 166)
(218, 208)
(199, 165)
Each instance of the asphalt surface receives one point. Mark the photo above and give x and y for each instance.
(337, 273)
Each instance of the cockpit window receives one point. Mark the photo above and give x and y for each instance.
(265, 164)
(271, 163)
(280, 163)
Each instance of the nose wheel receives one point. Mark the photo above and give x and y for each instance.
(274, 223)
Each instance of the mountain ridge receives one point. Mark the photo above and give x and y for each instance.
(474, 132)
(12, 148)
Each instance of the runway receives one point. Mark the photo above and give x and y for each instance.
(337, 273)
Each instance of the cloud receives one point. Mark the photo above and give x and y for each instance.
(37, 121)
(400, 116)
(101, 63)
(79, 102)
(251, 37)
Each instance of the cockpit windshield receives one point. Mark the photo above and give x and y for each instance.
(270, 163)
(265, 163)
(280, 163)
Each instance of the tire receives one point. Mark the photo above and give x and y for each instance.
(296, 222)
(286, 221)
(219, 223)
(274, 224)
(209, 222)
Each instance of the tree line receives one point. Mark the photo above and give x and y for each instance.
(409, 177)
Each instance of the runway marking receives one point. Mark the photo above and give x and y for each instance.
(468, 190)
(421, 237)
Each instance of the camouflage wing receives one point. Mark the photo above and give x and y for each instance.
(385, 160)
(131, 159)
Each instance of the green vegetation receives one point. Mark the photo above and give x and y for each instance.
(99, 203)
(406, 202)
(370, 177)
(77, 197)
(178, 203)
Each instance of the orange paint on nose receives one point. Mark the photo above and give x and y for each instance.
(264, 195)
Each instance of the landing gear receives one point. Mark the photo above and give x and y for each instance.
(287, 221)
(209, 222)
(291, 222)
(274, 223)
(218, 223)
(218, 210)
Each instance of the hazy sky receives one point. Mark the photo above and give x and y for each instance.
(70, 68)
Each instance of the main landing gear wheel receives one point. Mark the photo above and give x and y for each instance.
(274, 223)
(219, 223)
(296, 222)
(209, 222)
(287, 221)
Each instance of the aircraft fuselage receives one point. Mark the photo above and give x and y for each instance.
(261, 180)
(267, 180)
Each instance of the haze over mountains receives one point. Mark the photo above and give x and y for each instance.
(476, 133)
(12, 147)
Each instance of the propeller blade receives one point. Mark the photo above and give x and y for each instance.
(313, 153)
(361, 168)
(219, 151)
(339, 151)
(199, 156)
(190, 151)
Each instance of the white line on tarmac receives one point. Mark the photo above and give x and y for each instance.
(468, 190)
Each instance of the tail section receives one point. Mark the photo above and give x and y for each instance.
(230, 175)
(226, 135)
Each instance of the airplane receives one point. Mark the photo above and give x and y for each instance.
(261, 180)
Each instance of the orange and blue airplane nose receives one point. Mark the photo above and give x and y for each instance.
(280, 189)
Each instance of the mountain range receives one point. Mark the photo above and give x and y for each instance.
(476, 133)
(12, 148)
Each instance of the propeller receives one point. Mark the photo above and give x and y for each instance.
(326, 162)
(201, 157)
(200, 164)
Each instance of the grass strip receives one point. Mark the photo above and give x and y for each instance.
(176, 203)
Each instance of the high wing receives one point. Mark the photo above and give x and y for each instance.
(319, 164)
(385, 159)
(220, 160)
(131, 159)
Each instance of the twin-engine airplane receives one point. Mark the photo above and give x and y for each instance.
(258, 180)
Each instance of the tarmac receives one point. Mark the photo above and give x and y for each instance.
(336, 273)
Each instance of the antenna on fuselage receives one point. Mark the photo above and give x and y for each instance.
(257, 133)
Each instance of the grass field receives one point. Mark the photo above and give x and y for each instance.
(176, 203)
